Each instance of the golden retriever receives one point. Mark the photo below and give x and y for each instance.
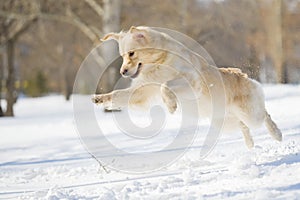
(159, 65)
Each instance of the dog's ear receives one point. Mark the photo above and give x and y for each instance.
(111, 36)
(138, 34)
(133, 29)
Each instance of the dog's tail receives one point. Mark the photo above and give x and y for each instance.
(272, 127)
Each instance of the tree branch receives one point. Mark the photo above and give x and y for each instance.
(95, 6)
(83, 26)
(72, 19)
(22, 28)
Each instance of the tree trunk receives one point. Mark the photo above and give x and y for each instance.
(254, 67)
(183, 15)
(273, 24)
(68, 83)
(10, 82)
(278, 53)
(109, 51)
(1, 81)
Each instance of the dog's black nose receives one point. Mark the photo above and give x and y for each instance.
(125, 71)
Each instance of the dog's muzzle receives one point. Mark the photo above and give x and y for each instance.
(137, 71)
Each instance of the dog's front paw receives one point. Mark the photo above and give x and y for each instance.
(101, 98)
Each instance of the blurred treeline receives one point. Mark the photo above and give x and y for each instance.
(43, 42)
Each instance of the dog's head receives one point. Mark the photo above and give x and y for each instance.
(138, 46)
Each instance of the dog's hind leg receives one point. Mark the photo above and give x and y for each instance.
(246, 132)
(272, 127)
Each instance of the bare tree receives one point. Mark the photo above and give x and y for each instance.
(65, 13)
(268, 41)
(109, 51)
(183, 4)
(12, 29)
(1, 81)
(274, 36)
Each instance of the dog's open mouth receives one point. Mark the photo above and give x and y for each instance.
(137, 71)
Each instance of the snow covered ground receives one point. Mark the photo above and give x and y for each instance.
(41, 157)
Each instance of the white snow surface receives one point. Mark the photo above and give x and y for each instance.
(41, 157)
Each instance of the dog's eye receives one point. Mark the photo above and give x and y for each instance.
(131, 54)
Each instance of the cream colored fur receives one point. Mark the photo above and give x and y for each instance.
(161, 66)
